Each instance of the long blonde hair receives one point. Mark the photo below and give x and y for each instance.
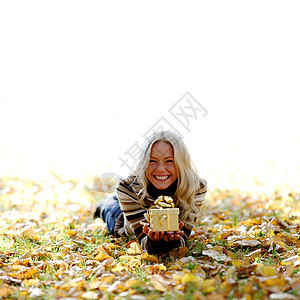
(188, 179)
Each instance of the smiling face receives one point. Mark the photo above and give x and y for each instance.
(162, 171)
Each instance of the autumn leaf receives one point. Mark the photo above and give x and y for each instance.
(240, 249)
(150, 258)
(102, 253)
(266, 271)
(90, 295)
(189, 277)
(238, 263)
(208, 285)
(216, 255)
(158, 285)
(6, 291)
(134, 249)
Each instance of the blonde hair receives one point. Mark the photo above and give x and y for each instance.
(188, 179)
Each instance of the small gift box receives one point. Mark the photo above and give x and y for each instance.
(164, 219)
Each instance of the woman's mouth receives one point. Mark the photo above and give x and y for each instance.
(162, 177)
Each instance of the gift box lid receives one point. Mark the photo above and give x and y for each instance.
(163, 211)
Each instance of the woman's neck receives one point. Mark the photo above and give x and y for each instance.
(169, 191)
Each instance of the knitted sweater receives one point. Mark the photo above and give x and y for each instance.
(128, 195)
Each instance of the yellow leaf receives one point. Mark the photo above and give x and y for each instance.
(107, 279)
(6, 291)
(135, 249)
(267, 271)
(102, 256)
(31, 282)
(94, 284)
(189, 277)
(132, 282)
(275, 281)
(102, 253)
(208, 285)
(126, 257)
(70, 232)
(104, 248)
(119, 268)
(158, 285)
(174, 268)
(156, 268)
(238, 262)
(151, 258)
(272, 233)
(226, 286)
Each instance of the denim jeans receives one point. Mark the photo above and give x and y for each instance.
(109, 212)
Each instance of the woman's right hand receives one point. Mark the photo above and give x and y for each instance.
(155, 236)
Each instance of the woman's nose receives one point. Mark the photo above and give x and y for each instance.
(161, 166)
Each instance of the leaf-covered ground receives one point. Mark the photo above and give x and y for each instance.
(245, 246)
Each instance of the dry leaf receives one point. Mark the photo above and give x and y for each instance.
(134, 249)
(102, 253)
(31, 282)
(238, 262)
(132, 282)
(151, 258)
(105, 279)
(216, 255)
(189, 277)
(289, 270)
(6, 291)
(158, 285)
(90, 295)
(178, 252)
(247, 243)
(282, 296)
(277, 284)
(266, 271)
(101, 256)
(208, 285)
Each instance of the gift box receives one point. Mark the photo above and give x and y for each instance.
(165, 219)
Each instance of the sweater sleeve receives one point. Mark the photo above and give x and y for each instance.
(131, 207)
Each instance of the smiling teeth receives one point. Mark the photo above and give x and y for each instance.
(161, 177)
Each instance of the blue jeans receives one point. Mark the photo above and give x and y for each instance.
(109, 212)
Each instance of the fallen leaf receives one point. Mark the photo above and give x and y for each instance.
(247, 243)
(282, 296)
(189, 277)
(216, 255)
(150, 258)
(158, 285)
(134, 249)
(31, 282)
(6, 291)
(90, 295)
(208, 285)
(266, 271)
(238, 263)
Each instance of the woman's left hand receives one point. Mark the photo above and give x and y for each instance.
(174, 235)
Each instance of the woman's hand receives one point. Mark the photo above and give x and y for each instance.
(157, 236)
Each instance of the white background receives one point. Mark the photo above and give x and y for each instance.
(81, 81)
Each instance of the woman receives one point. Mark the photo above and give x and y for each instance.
(165, 168)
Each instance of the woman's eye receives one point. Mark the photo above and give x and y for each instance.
(170, 161)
